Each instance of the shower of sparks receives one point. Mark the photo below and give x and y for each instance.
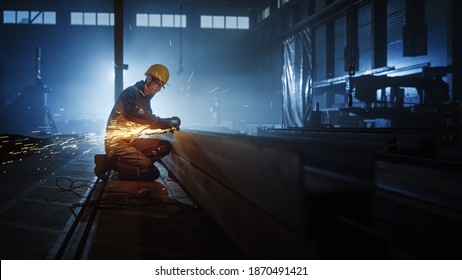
(213, 89)
(129, 131)
(186, 96)
(13, 149)
(223, 91)
(189, 85)
(190, 77)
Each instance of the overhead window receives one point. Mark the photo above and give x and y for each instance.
(231, 22)
(243, 22)
(282, 2)
(218, 22)
(91, 18)
(9, 16)
(29, 17)
(265, 13)
(36, 17)
(167, 21)
(49, 18)
(22, 17)
(76, 18)
(161, 20)
(206, 22)
(179, 20)
(224, 22)
(155, 20)
(142, 20)
(103, 19)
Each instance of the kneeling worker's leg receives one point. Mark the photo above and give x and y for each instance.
(134, 165)
(136, 173)
(154, 149)
(102, 165)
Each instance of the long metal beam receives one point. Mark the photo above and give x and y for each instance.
(275, 198)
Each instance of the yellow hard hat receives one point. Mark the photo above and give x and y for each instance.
(159, 71)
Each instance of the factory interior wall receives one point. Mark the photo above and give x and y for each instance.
(238, 68)
(77, 64)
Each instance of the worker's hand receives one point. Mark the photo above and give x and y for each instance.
(166, 123)
(175, 122)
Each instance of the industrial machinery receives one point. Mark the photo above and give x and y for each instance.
(431, 88)
(419, 100)
(385, 97)
(28, 113)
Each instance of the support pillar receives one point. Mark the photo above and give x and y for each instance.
(118, 47)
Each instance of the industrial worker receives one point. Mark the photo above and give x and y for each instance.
(128, 154)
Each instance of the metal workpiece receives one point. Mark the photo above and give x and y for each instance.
(265, 192)
(296, 197)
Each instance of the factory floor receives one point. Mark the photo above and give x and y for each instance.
(46, 185)
(53, 207)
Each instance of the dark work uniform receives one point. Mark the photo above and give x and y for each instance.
(134, 157)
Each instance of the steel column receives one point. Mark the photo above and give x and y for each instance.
(118, 47)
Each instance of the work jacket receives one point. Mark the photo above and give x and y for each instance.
(131, 114)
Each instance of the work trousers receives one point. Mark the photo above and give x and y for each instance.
(135, 160)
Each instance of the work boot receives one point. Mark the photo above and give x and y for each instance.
(101, 167)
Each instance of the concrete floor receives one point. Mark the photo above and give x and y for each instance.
(42, 190)
(47, 187)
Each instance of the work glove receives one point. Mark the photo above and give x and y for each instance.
(166, 123)
(175, 122)
(160, 123)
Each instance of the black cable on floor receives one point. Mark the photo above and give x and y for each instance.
(71, 187)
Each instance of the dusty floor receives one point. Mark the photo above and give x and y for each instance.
(44, 183)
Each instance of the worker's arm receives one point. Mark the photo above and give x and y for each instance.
(165, 123)
(135, 113)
